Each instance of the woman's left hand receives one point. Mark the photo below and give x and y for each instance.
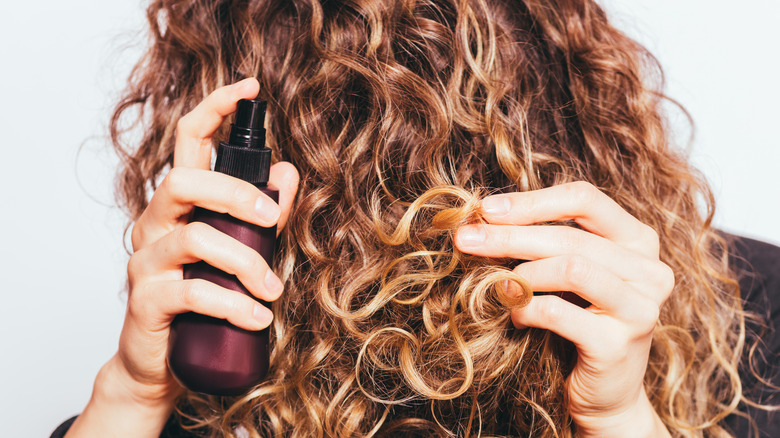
(613, 262)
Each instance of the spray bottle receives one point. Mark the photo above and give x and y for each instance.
(210, 355)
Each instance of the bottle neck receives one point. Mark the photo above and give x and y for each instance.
(246, 137)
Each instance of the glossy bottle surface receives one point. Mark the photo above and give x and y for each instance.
(210, 355)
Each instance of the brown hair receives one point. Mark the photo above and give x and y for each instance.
(400, 115)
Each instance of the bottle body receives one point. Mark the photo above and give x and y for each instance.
(210, 355)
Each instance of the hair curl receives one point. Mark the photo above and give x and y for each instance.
(400, 115)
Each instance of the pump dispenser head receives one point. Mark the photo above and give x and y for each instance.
(245, 155)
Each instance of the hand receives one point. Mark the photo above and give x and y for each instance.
(163, 241)
(613, 263)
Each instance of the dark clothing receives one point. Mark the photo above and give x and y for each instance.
(758, 265)
(171, 430)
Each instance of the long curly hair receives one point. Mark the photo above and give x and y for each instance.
(400, 115)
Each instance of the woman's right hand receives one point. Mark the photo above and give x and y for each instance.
(163, 241)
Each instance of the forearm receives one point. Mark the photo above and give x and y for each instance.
(116, 410)
(640, 422)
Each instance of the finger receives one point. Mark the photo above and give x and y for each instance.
(194, 130)
(197, 241)
(591, 281)
(544, 241)
(588, 330)
(561, 317)
(161, 301)
(183, 188)
(285, 177)
(579, 201)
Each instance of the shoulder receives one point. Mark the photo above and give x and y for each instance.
(757, 265)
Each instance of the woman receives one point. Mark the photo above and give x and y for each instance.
(438, 161)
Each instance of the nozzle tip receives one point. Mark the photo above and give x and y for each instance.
(250, 114)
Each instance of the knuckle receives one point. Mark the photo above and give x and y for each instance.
(243, 193)
(136, 236)
(174, 181)
(583, 192)
(667, 280)
(571, 239)
(551, 311)
(184, 124)
(138, 303)
(257, 262)
(504, 237)
(525, 202)
(249, 261)
(650, 235)
(191, 292)
(238, 304)
(646, 317)
(528, 204)
(133, 267)
(191, 236)
(577, 270)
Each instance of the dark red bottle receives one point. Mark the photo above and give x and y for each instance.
(210, 355)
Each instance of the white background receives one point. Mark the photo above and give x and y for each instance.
(61, 255)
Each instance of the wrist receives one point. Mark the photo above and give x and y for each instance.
(639, 421)
(120, 406)
(114, 384)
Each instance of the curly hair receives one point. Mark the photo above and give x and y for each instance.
(400, 115)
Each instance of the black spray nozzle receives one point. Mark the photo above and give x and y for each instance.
(245, 155)
(247, 130)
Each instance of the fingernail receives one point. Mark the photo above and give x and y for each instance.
(496, 205)
(272, 283)
(262, 314)
(267, 210)
(511, 289)
(473, 235)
